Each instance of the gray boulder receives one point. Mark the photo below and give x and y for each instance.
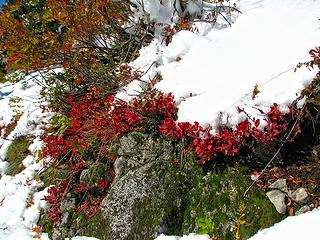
(300, 195)
(146, 200)
(277, 198)
(280, 184)
(303, 210)
(138, 149)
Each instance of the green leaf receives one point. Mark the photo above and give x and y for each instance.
(202, 231)
(201, 222)
(242, 222)
(14, 7)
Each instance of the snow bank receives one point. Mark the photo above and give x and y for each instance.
(191, 236)
(20, 200)
(221, 68)
(305, 226)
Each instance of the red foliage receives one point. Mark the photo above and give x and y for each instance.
(315, 55)
(108, 119)
(105, 119)
(227, 141)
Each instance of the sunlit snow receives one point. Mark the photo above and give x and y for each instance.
(221, 68)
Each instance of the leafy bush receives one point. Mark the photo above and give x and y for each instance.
(227, 141)
(91, 129)
(86, 38)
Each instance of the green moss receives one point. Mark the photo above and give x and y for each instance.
(219, 197)
(161, 213)
(91, 227)
(16, 153)
(50, 177)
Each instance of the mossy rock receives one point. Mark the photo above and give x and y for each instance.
(219, 197)
(144, 203)
(147, 199)
(162, 211)
(78, 224)
(94, 226)
(16, 153)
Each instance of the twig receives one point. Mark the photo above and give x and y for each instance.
(278, 151)
(142, 4)
(266, 82)
(148, 68)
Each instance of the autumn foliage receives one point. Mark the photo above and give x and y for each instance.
(64, 25)
(95, 126)
(85, 38)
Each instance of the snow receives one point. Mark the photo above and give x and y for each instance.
(191, 236)
(305, 226)
(210, 71)
(155, 10)
(20, 198)
(221, 68)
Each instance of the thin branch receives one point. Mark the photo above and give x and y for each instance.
(279, 149)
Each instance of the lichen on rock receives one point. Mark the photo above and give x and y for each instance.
(147, 200)
(139, 149)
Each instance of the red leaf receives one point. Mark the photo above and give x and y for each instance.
(257, 122)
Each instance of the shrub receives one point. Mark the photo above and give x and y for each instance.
(92, 128)
(86, 38)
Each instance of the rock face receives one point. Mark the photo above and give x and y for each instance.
(277, 198)
(280, 184)
(151, 195)
(300, 195)
(146, 200)
(138, 149)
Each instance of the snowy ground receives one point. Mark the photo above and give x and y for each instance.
(220, 68)
(20, 201)
(20, 198)
(209, 71)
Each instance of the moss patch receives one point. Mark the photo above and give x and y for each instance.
(219, 197)
(95, 226)
(16, 153)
